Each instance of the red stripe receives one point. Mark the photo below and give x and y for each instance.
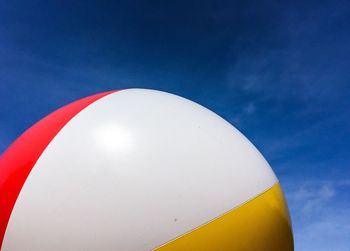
(19, 159)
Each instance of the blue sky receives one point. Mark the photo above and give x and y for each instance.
(277, 70)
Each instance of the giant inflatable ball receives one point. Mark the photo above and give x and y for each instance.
(137, 170)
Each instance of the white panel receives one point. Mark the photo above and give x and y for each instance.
(132, 171)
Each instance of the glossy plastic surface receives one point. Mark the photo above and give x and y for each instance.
(131, 171)
(19, 159)
(260, 224)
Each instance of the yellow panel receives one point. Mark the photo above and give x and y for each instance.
(262, 224)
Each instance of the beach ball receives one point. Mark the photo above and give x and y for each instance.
(135, 170)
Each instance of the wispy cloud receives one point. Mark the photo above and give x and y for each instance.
(249, 108)
(320, 214)
(314, 198)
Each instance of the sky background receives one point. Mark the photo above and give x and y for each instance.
(277, 70)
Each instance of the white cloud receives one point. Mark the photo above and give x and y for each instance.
(320, 215)
(314, 198)
(317, 198)
(329, 233)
